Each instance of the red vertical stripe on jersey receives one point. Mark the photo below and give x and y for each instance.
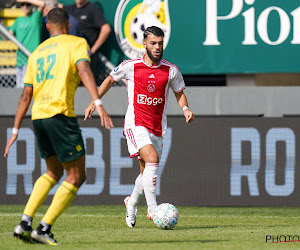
(149, 96)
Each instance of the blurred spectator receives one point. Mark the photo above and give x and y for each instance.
(93, 28)
(27, 30)
(74, 24)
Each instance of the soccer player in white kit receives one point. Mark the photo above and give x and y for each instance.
(148, 80)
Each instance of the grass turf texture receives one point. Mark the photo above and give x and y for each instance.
(103, 227)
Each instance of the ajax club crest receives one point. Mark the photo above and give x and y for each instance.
(133, 17)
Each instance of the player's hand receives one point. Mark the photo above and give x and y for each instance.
(189, 116)
(11, 140)
(105, 118)
(89, 111)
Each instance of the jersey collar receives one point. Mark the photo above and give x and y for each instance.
(150, 66)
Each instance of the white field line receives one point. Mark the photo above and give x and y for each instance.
(141, 215)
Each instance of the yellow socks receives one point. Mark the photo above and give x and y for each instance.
(39, 193)
(61, 200)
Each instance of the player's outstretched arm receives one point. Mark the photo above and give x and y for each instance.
(88, 81)
(22, 108)
(183, 104)
(104, 87)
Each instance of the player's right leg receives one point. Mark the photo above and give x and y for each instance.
(138, 191)
(141, 142)
(67, 141)
(132, 136)
(132, 201)
(61, 201)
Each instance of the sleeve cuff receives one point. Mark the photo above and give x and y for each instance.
(112, 77)
(82, 60)
(179, 91)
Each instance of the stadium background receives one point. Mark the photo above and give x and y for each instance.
(241, 149)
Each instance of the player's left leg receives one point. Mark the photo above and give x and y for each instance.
(39, 193)
(42, 185)
(149, 155)
(138, 190)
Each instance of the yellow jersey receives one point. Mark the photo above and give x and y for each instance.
(52, 72)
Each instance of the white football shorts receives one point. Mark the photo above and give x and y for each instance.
(138, 137)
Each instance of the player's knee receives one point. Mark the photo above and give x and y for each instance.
(153, 158)
(56, 175)
(80, 178)
(76, 178)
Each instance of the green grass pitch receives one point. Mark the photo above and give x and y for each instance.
(103, 227)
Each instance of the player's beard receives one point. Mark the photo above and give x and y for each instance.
(154, 59)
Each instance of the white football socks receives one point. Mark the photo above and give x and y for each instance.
(149, 183)
(137, 192)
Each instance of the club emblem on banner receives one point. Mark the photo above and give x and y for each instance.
(133, 17)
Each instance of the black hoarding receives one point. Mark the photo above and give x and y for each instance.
(214, 161)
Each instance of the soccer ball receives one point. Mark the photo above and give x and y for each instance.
(166, 216)
(137, 28)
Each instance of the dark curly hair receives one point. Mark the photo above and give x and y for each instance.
(154, 30)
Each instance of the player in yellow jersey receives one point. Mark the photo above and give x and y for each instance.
(55, 70)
